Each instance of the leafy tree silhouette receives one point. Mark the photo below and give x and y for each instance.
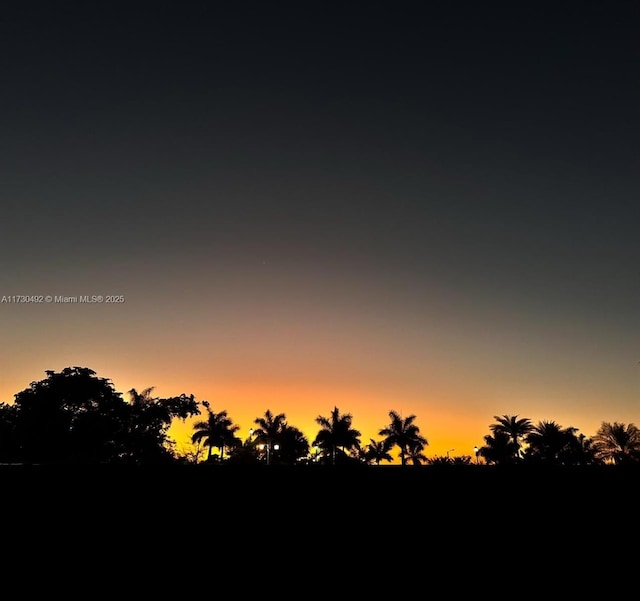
(461, 460)
(9, 446)
(499, 449)
(294, 445)
(218, 431)
(405, 434)
(73, 416)
(440, 460)
(580, 451)
(337, 435)
(150, 419)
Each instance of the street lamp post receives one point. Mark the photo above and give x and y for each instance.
(475, 450)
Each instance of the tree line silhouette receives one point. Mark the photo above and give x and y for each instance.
(75, 417)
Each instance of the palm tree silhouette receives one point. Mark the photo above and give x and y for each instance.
(377, 451)
(218, 430)
(141, 398)
(294, 445)
(283, 443)
(415, 456)
(516, 429)
(499, 448)
(269, 431)
(617, 443)
(404, 434)
(550, 443)
(336, 434)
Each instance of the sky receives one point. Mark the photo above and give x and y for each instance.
(424, 207)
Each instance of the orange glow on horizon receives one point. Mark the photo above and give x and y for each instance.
(452, 421)
(370, 413)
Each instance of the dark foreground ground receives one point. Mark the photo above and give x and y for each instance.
(367, 530)
(410, 490)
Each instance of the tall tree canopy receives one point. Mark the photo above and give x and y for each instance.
(73, 416)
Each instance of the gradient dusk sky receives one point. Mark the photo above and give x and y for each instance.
(426, 207)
